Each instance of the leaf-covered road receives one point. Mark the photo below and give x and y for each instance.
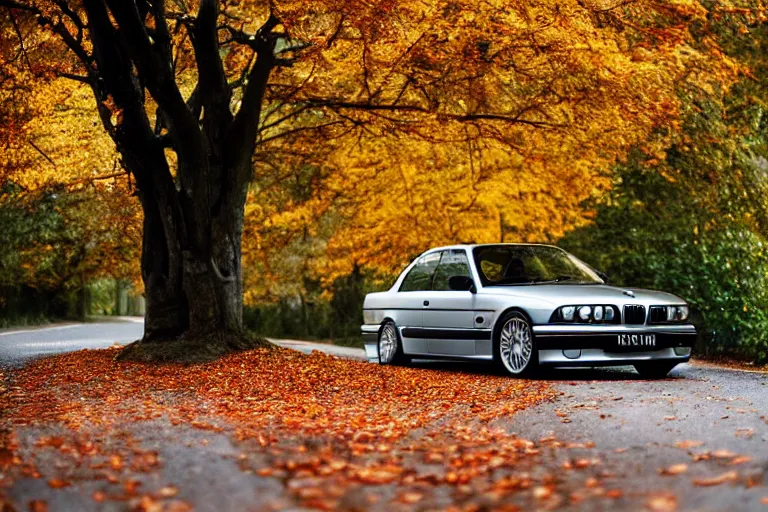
(280, 429)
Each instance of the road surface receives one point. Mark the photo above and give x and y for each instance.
(20, 345)
(714, 421)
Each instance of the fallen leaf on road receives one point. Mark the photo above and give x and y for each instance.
(701, 456)
(57, 483)
(674, 469)
(36, 506)
(411, 497)
(168, 492)
(723, 454)
(6, 458)
(662, 503)
(542, 492)
(741, 459)
(670, 418)
(688, 444)
(591, 482)
(614, 494)
(730, 476)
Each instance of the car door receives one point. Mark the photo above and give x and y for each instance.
(413, 294)
(448, 314)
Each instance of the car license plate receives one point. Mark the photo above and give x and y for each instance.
(628, 341)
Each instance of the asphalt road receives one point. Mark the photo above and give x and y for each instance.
(20, 345)
(714, 421)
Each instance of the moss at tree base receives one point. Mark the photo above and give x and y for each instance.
(189, 348)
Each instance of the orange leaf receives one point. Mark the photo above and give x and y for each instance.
(674, 469)
(730, 476)
(57, 483)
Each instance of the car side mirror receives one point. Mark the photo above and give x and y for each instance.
(461, 284)
(603, 276)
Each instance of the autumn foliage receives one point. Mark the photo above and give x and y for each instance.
(379, 129)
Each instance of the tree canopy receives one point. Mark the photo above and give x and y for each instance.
(370, 129)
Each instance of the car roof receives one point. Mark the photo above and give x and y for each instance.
(472, 246)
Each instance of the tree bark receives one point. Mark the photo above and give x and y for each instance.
(166, 310)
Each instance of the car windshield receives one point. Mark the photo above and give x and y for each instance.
(500, 265)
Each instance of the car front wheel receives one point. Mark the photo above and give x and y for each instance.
(654, 370)
(514, 344)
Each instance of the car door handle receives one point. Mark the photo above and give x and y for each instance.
(426, 303)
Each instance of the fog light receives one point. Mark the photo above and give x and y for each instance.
(567, 313)
(598, 313)
(584, 312)
(572, 353)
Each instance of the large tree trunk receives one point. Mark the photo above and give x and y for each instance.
(193, 283)
(213, 277)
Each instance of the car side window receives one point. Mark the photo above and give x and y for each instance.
(420, 276)
(452, 263)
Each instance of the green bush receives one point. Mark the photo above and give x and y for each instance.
(656, 233)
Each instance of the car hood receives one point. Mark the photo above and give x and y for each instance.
(574, 294)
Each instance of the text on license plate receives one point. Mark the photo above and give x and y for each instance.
(637, 340)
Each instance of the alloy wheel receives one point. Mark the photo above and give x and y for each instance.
(387, 343)
(516, 344)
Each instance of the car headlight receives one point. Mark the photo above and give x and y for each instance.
(669, 314)
(677, 313)
(586, 314)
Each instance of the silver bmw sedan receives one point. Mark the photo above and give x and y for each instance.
(523, 305)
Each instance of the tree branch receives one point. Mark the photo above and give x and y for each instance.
(41, 152)
(76, 78)
(157, 73)
(215, 93)
(298, 130)
(241, 139)
(365, 106)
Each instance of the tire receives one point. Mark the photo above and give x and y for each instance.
(654, 370)
(520, 358)
(390, 346)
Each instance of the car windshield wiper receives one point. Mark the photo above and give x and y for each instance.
(535, 280)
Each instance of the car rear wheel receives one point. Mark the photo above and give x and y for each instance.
(390, 347)
(654, 370)
(514, 344)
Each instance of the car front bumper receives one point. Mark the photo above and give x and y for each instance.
(597, 345)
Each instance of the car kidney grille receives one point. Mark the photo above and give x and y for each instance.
(634, 314)
(658, 314)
